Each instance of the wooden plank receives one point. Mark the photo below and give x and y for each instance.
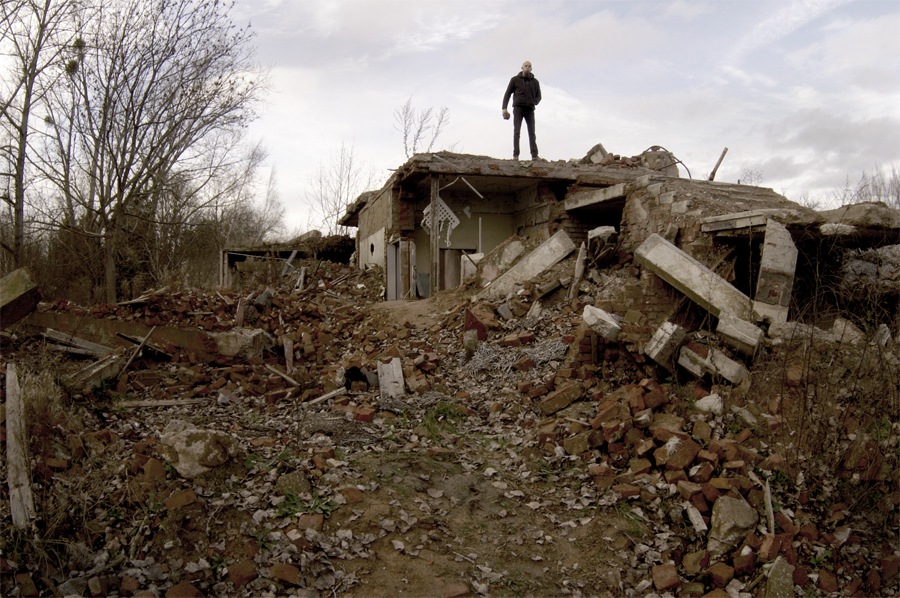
(107, 332)
(136, 351)
(95, 373)
(21, 501)
(160, 403)
(95, 349)
(18, 297)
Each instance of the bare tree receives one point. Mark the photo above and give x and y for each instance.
(33, 34)
(160, 94)
(417, 126)
(335, 185)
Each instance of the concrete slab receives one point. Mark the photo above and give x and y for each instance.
(551, 252)
(664, 344)
(777, 267)
(601, 322)
(390, 379)
(780, 582)
(699, 283)
(715, 364)
(738, 333)
(737, 220)
(585, 198)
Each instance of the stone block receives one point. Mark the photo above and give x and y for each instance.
(739, 334)
(780, 583)
(562, 398)
(243, 343)
(732, 519)
(665, 577)
(716, 363)
(665, 343)
(601, 322)
(777, 266)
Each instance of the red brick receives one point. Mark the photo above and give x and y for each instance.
(242, 573)
(745, 564)
(286, 573)
(626, 491)
(184, 590)
(890, 567)
(665, 577)
(771, 545)
(353, 494)
(721, 574)
(800, 577)
(180, 499)
(828, 581)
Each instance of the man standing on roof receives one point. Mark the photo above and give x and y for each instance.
(526, 93)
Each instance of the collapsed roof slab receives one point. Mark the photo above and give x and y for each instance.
(703, 286)
(550, 252)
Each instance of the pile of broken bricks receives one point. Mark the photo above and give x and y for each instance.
(640, 444)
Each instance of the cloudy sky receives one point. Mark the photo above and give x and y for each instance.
(804, 92)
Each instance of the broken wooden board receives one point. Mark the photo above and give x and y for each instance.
(106, 332)
(160, 403)
(21, 501)
(18, 297)
(94, 374)
(80, 345)
(152, 351)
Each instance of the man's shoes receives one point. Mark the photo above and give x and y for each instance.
(535, 158)
(516, 158)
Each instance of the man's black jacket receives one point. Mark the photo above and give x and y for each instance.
(527, 91)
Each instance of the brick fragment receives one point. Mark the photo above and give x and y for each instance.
(828, 582)
(721, 573)
(665, 577)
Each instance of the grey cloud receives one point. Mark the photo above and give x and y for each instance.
(823, 132)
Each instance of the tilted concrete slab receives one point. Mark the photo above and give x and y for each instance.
(737, 220)
(715, 364)
(585, 198)
(551, 252)
(706, 288)
(777, 268)
(740, 334)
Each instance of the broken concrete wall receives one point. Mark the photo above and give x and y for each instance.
(376, 218)
(533, 217)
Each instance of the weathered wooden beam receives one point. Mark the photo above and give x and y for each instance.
(107, 332)
(21, 501)
(85, 347)
(18, 297)
(94, 374)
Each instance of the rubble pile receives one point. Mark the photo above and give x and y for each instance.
(530, 445)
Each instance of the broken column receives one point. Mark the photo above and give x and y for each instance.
(664, 345)
(776, 274)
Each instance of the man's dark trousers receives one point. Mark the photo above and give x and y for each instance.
(520, 112)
